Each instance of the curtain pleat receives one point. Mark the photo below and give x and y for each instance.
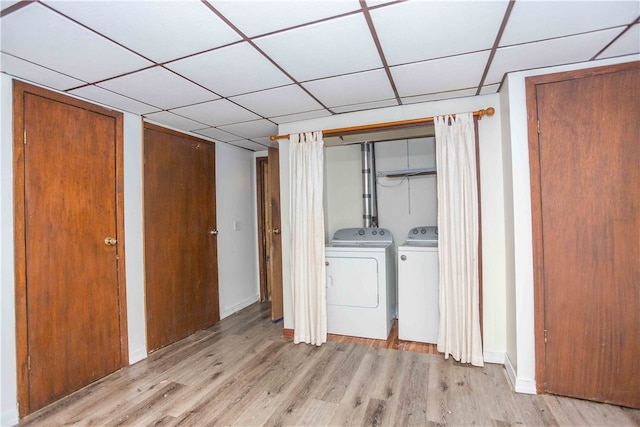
(306, 218)
(459, 331)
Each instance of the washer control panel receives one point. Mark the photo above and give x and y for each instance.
(424, 234)
(362, 236)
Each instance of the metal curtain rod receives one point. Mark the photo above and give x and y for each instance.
(338, 131)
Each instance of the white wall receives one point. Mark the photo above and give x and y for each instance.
(402, 203)
(237, 250)
(492, 196)
(8, 368)
(237, 246)
(521, 363)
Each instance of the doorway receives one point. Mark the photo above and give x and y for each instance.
(269, 235)
(69, 234)
(585, 188)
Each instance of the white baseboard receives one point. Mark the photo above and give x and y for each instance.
(137, 355)
(9, 418)
(239, 306)
(494, 357)
(520, 385)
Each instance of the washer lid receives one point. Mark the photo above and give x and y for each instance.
(423, 236)
(362, 237)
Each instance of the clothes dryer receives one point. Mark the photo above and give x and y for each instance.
(361, 287)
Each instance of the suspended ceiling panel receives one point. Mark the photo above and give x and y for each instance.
(233, 70)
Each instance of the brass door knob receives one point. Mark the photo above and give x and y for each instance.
(110, 241)
(213, 232)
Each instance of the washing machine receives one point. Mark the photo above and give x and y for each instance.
(361, 286)
(418, 286)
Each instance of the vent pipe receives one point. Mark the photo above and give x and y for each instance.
(369, 196)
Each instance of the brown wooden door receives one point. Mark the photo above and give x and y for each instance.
(71, 286)
(181, 260)
(276, 236)
(589, 201)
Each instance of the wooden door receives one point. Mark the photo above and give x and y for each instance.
(586, 199)
(181, 261)
(69, 295)
(276, 236)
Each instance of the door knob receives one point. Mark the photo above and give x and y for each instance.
(276, 231)
(213, 232)
(110, 241)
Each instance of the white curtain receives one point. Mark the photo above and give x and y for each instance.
(459, 333)
(306, 217)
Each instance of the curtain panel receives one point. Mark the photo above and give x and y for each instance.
(306, 216)
(459, 331)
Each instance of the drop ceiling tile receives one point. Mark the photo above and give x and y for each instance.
(114, 100)
(265, 142)
(488, 89)
(41, 36)
(346, 90)
(366, 106)
(159, 87)
(440, 75)
(462, 93)
(249, 145)
(218, 112)
(239, 68)
(627, 44)
(159, 30)
(35, 73)
(289, 118)
(416, 31)
(277, 102)
(539, 20)
(216, 134)
(254, 129)
(565, 50)
(173, 120)
(339, 46)
(268, 16)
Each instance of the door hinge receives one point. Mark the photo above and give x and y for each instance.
(28, 363)
(545, 336)
(538, 126)
(24, 139)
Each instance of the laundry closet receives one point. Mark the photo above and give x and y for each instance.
(375, 194)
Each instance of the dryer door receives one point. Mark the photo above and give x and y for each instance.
(352, 281)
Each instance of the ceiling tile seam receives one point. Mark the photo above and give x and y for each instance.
(96, 32)
(496, 43)
(251, 42)
(15, 7)
(441, 92)
(97, 82)
(210, 125)
(564, 36)
(376, 41)
(635, 22)
(191, 55)
(42, 66)
(176, 114)
(421, 61)
(306, 24)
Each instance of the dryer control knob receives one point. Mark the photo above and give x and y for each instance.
(403, 257)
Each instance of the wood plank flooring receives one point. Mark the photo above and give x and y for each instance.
(242, 372)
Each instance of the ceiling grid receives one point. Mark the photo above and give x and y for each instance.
(232, 71)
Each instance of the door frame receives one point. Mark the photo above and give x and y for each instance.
(262, 204)
(20, 89)
(536, 200)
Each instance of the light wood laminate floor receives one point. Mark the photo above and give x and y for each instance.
(241, 372)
